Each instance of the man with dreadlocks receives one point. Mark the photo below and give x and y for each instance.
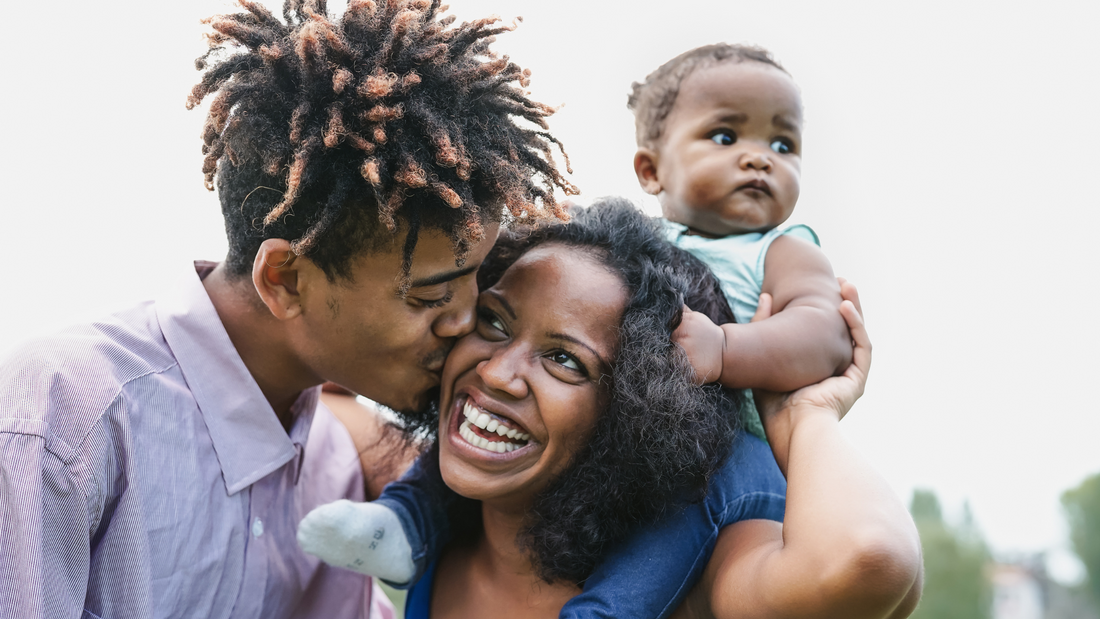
(156, 463)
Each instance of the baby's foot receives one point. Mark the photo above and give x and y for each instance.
(364, 537)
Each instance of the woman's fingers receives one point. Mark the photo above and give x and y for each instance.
(763, 308)
(841, 392)
(861, 356)
(861, 351)
(848, 292)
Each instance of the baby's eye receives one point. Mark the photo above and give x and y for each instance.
(782, 146)
(565, 360)
(724, 138)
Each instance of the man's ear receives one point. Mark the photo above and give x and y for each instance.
(275, 275)
(645, 168)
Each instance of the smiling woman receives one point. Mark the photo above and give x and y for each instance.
(569, 418)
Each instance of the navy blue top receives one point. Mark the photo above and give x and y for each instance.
(418, 605)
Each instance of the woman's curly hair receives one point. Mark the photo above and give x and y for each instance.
(651, 100)
(661, 437)
(324, 130)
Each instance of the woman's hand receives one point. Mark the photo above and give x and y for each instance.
(838, 393)
(781, 412)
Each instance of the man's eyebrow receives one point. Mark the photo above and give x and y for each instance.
(783, 122)
(442, 278)
(570, 338)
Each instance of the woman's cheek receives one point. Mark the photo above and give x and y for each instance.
(576, 422)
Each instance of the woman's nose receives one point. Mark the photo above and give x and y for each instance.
(499, 373)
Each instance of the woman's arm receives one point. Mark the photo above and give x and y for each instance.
(848, 547)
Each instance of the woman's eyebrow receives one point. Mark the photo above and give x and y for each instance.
(573, 340)
(503, 303)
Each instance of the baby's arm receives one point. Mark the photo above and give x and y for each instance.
(805, 341)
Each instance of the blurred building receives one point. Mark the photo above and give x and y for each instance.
(1023, 590)
(1017, 592)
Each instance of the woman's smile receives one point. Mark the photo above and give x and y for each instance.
(485, 433)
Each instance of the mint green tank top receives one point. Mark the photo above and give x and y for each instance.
(737, 261)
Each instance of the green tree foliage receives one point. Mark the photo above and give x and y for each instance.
(1082, 506)
(955, 556)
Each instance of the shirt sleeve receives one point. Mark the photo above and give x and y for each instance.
(44, 524)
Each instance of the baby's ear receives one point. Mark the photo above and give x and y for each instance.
(645, 168)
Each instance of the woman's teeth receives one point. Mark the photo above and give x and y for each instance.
(476, 417)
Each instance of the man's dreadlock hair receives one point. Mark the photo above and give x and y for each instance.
(652, 100)
(324, 130)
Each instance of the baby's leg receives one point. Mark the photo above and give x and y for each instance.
(651, 572)
(392, 538)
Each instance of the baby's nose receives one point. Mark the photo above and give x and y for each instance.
(756, 160)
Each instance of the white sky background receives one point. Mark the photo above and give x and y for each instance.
(950, 168)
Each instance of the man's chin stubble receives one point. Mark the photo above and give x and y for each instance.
(422, 418)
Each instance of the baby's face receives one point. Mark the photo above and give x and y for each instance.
(729, 160)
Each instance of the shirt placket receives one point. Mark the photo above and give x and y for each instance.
(250, 601)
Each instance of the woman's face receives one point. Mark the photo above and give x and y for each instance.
(521, 394)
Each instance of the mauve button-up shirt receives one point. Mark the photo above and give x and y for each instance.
(144, 475)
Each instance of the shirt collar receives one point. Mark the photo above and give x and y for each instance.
(248, 439)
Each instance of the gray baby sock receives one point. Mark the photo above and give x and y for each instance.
(364, 537)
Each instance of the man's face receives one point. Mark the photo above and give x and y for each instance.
(363, 335)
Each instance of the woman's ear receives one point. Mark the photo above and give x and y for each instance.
(645, 168)
(275, 275)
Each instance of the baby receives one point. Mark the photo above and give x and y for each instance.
(719, 131)
(719, 136)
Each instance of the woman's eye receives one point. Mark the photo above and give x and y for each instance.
(490, 320)
(565, 360)
(724, 138)
(783, 147)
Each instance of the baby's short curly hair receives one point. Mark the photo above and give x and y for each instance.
(652, 100)
(336, 133)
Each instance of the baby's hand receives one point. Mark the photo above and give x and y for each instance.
(704, 343)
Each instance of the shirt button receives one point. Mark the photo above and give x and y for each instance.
(257, 527)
